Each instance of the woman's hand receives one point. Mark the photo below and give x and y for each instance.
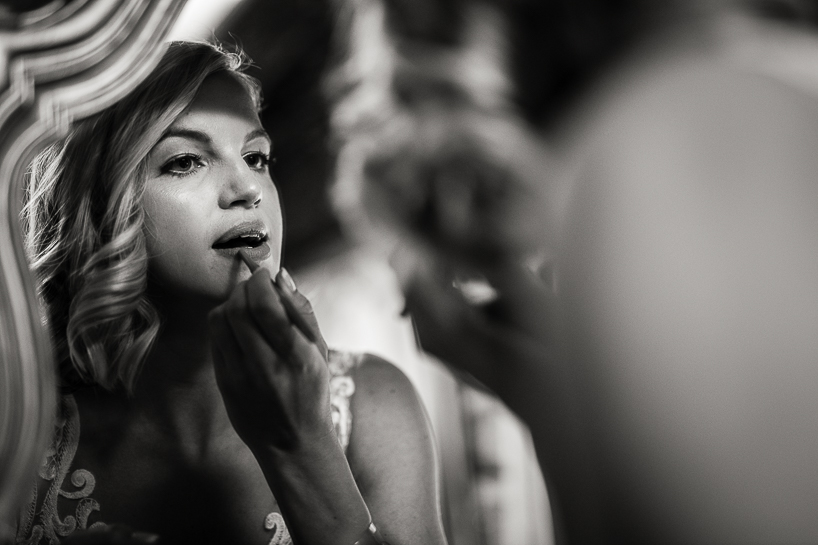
(274, 381)
(275, 386)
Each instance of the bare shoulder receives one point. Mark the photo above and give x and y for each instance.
(386, 410)
(382, 385)
(392, 454)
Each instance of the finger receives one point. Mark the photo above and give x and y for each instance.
(303, 307)
(254, 361)
(267, 314)
(307, 356)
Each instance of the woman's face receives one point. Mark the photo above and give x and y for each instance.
(208, 193)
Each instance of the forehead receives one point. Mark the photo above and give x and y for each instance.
(222, 95)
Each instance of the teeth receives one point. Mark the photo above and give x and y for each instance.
(249, 239)
(252, 240)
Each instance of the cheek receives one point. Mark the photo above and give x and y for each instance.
(272, 212)
(166, 222)
(173, 233)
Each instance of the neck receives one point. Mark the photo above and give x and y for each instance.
(180, 357)
(176, 399)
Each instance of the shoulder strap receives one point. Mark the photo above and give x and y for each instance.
(341, 388)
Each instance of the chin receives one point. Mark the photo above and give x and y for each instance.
(221, 291)
(187, 295)
(208, 282)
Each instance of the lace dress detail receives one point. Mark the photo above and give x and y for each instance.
(55, 468)
(341, 388)
(46, 527)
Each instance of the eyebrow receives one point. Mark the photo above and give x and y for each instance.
(186, 133)
(205, 139)
(258, 133)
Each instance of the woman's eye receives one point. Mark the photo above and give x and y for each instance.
(257, 160)
(182, 165)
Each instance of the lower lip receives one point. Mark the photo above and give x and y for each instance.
(257, 254)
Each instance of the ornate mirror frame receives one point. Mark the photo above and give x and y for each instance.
(63, 61)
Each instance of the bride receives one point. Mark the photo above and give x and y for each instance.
(200, 402)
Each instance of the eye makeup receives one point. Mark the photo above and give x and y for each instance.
(262, 158)
(194, 160)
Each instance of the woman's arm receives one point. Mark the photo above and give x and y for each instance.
(275, 386)
(392, 455)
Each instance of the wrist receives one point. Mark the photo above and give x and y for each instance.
(371, 536)
(316, 492)
(307, 465)
(293, 444)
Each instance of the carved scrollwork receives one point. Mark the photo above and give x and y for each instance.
(64, 60)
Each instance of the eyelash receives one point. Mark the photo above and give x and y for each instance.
(197, 163)
(265, 159)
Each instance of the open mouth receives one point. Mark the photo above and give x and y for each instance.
(252, 239)
(250, 236)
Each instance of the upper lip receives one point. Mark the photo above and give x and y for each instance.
(245, 228)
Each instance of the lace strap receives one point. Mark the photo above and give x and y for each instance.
(341, 388)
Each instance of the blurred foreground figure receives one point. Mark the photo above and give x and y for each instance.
(633, 186)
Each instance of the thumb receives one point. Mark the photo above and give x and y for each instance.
(303, 306)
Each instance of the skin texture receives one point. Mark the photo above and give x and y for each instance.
(204, 177)
(232, 406)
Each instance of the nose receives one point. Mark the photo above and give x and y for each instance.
(242, 188)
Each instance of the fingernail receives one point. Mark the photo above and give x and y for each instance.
(288, 279)
(145, 537)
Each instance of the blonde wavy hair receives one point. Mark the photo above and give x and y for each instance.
(84, 223)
